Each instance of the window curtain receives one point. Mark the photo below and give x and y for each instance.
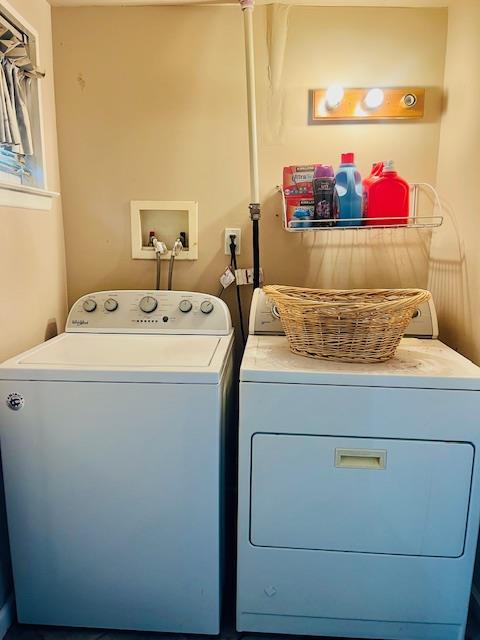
(16, 74)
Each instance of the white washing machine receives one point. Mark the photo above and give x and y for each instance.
(112, 438)
(359, 489)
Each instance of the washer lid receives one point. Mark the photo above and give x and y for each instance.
(116, 357)
(427, 364)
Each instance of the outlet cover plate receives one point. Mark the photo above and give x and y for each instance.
(238, 239)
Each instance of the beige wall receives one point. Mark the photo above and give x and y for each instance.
(32, 261)
(455, 256)
(151, 105)
(364, 47)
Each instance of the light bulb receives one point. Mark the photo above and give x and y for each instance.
(334, 96)
(374, 99)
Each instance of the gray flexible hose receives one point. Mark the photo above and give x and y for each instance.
(176, 249)
(170, 271)
(159, 268)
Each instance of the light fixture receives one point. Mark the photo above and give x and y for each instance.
(374, 99)
(334, 96)
(342, 104)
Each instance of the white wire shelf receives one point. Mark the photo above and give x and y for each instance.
(415, 221)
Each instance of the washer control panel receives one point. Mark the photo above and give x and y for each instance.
(163, 312)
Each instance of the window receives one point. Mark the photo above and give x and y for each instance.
(22, 166)
(13, 165)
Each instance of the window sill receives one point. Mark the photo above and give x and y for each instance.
(22, 197)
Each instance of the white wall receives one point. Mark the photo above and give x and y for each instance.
(455, 252)
(32, 260)
(32, 255)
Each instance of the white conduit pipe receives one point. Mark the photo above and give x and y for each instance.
(247, 8)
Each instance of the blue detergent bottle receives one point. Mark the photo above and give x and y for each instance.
(349, 190)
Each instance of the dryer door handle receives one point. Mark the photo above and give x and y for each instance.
(361, 459)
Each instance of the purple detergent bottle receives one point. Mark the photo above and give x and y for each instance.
(324, 196)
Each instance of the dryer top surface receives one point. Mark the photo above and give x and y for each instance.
(427, 364)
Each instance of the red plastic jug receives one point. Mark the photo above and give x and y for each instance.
(376, 172)
(386, 197)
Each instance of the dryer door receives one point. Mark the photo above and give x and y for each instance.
(388, 496)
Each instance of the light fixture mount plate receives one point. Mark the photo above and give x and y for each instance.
(400, 103)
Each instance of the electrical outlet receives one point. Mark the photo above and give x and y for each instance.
(238, 240)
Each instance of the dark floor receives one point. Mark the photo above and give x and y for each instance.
(23, 632)
(26, 632)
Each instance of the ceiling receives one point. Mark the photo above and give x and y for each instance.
(323, 3)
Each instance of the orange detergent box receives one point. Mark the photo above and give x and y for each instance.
(298, 180)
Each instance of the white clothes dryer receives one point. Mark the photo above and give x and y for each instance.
(359, 488)
(112, 440)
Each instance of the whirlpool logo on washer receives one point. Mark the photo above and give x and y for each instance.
(15, 401)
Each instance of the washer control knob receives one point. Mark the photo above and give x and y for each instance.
(148, 304)
(185, 306)
(89, 305)
(206, 306)
(110, 304)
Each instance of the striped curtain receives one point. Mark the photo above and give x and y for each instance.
(16, 74)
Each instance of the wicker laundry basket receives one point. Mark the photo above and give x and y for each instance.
(357, 325)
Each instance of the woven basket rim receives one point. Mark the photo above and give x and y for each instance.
(281, 288)
(401, 297)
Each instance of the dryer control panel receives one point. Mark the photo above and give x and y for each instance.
(265, 321)
(162, 312)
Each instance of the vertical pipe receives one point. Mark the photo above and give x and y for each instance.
(251, 100)
(256, 254)
(247, 8)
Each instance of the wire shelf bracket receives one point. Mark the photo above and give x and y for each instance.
(415, 221)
